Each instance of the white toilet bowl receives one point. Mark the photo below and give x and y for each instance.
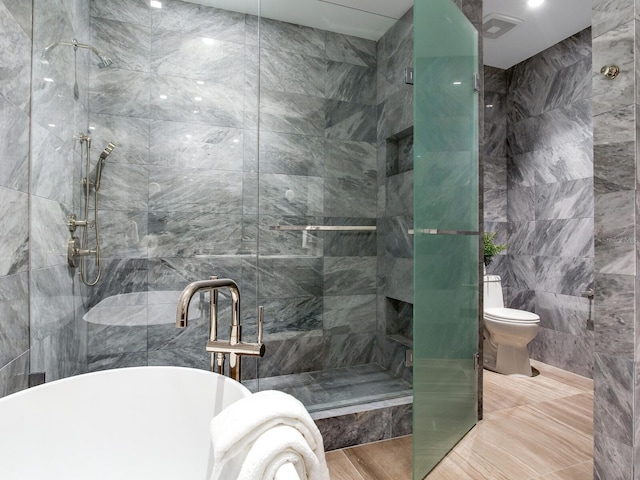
(507, 332)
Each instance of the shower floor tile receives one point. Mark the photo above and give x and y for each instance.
(340, 387)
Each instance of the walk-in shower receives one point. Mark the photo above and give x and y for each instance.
(104, 61)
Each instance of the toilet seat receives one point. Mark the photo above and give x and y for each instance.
(511, 315)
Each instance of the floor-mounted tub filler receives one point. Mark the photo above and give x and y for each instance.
(129, 423)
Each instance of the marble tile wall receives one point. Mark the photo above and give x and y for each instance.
(57, 302)
(616, 285)
(183, 195)
(538, 194)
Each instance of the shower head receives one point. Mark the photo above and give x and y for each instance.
(103, 156)
(104, 60)
(107, 151)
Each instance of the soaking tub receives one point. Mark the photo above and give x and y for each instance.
(129, 423)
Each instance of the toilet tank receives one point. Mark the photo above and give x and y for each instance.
(493, 292)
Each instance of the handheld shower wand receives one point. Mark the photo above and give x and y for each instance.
(103, 156)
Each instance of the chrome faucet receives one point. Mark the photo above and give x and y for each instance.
(235, 348)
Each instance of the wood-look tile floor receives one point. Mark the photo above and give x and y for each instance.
(538, 428)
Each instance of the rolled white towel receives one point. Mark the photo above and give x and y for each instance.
(247, 439)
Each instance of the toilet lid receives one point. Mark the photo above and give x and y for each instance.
(511, 315)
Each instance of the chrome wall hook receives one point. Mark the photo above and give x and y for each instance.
(610, 71)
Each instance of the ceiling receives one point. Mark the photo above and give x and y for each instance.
(541, 28)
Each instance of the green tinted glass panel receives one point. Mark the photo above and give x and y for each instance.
(446, 279)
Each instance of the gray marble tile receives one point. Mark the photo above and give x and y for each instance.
(347, 159)
(566, 124)
(354, 429)
(130, 134)
(132, 11)
(350, 83)
(15, 48)
(614, 233)
(399, 194)
(116, 91)
(22, 12)
(613, 404)
(14, 146)
(198, 58)
(614, 167)
(194, 101)
(116, 339)
(287, 37)
(127, 44)
(394, 235)
(286, 277)
(613, 314)
(291, 195)
(174, 189)
(175, 273)
(521, 170)
(288, 72)
(192, 357)
(570, 84)
(14, 236)
(563, 200)
(522, 238)
(123, 233)
(348, 350)
(521, 205)
(49, 233)
(53, 105)
(573, 353)
(51, 300)
(396, 280)
(350, 121)
(395, 114)
(345, 314)
(395, 53)
(286, 315)
(564, 313)
(195, 19)
(568, 276)
(14, 377)
(614, 47)
(495, 205)
(522, 272)
(124, 187)
(292, 113)
(347, 197)
(175, 144)
(186, 234)
(614, 127)
(14, 307)
(495, 105)
(569, 161)
(291, 154)
(299, 354)
(51, 175)
(349, 275)
(612, 459)
(495, 79)
(106, 362)
(610, 14)
(565, 238)
(495, 140)
(351, 50)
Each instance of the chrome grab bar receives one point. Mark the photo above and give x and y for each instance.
(325, 228)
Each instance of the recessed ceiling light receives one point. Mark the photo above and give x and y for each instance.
(535, 3)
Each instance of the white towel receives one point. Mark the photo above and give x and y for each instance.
(256, 435)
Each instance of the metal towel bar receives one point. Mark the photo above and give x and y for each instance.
(325, 228)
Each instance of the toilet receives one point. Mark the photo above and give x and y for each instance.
(507, 332)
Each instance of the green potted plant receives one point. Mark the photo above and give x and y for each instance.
(490, 247)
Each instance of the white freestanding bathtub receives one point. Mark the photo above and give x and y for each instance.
(129, 423)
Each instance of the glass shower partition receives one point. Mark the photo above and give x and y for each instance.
(446, 237)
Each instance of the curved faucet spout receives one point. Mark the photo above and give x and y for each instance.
(182, 313)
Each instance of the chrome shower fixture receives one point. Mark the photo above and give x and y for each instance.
(104, 60)
(103, 156)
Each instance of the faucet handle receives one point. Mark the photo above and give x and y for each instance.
(260, 323)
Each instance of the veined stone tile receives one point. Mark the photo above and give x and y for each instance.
(287, 37)
(14, 306)
(495, 80)
(565, 275)
(292, 73)
(521, 205)
(294, 242)
(14, 377)
(15, 48)
(124, 187)
(196, 57)
(349, 275)
(610, 14)
(130, 134)
(123, 233)
(351, 50)
(350, 83)
(292, 113)
(346, 197)
(186, 100)
(14, 146)
(350, 121)
(120, 92)
(14, 237)
(176, 144)
(132, 11)
(615, 245)
(287, 277)
(564, 313)
(349, 159)
(47, 240)
(291, 154)
(495, 205)
(564, 200)
(291, 195)
(565, 238)
(22, 12)
(127, 44)
(614, 167)
(569, 161)
(344, 314)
